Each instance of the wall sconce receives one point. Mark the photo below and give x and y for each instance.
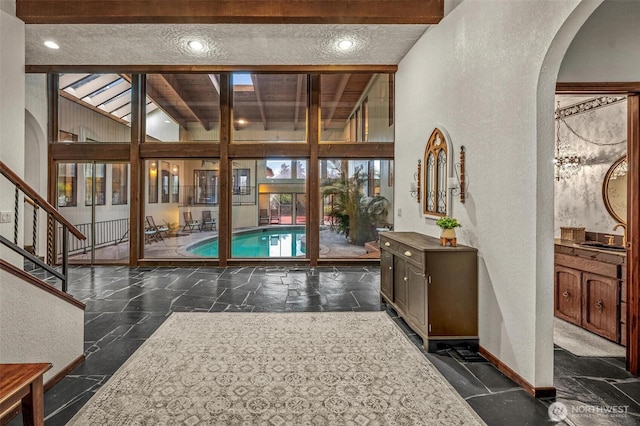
(414, 187)
(458, 187)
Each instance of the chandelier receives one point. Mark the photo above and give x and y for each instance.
(621, 170)
(567, 161)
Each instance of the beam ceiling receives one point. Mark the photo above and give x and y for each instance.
(230, 11)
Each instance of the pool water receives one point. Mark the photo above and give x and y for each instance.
(267, 242)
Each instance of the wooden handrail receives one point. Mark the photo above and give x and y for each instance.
(24, 187)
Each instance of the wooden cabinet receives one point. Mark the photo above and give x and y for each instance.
(568, 294)
(386, 274)
(601, 305)
(589, 292)
(432, 287)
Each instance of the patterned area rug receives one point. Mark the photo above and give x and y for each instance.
(277, 369)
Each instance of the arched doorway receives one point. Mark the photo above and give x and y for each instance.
(599, 83)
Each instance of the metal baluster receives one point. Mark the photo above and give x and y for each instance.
(15, 213)
(65, 257)
(51, 229)
(35, 228)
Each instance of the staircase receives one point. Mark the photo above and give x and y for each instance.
(41, 323)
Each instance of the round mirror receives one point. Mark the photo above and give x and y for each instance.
(614, 190)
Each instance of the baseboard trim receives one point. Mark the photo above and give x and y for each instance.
(64, 372)
(540, 392)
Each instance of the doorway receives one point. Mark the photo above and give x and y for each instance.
(590, 209)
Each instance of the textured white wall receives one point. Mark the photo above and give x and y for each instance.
(486, 75)
(606, 47)
(37, 326)
(35, 160)
(578, 200)
(12, 101)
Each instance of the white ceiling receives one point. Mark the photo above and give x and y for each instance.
(227, 44)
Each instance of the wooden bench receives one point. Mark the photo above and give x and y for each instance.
(22, 384)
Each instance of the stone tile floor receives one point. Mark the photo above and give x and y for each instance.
(125, 306)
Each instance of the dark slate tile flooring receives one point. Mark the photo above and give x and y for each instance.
(126, 305)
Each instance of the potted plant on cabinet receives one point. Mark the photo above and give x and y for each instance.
(448, 226)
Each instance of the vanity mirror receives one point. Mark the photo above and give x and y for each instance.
(614, 190)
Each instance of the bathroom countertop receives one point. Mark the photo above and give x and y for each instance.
(575, 249)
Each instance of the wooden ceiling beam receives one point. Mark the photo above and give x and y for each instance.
(230, 11)
(256, 89)
(165, 105)
(174, 84)
(336, 99)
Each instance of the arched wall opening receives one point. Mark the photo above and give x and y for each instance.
(35, 166)
(583, 59)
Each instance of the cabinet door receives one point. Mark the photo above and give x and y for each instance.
(600, 310)
(386, 275)
(417, 297)
(568, 291)
(400, 283)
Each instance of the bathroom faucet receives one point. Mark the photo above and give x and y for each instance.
(624, 234)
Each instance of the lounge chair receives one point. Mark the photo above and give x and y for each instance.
(263, 218)
(150, 235)
(189, 223)
(275, 216)
(208, 223)
(162, 230)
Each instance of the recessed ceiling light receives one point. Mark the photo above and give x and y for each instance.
(167, 121)
(196, 45)
(345, 44)
(51, 44)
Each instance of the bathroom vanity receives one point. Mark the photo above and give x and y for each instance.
(590, 288)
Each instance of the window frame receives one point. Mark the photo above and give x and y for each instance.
(436, 180)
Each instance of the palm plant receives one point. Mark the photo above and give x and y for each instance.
(354, 214)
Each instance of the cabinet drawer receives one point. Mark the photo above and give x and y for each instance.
(388, 244)
(588, 265)
(411, 254)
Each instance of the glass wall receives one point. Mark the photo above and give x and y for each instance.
(269, 108)
(356, 108)
(94, 108)
(183, 108)
(357, 204)
(180, 200)
(273, 224)
(102, 215)
(181, 214)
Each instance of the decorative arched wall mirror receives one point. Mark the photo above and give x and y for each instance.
(435, 181)
(614, 190)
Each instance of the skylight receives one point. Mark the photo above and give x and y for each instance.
(242, 79)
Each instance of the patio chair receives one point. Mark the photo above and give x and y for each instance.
(189, 223)
(151, 235)
(263, 218)
(275, 216)
(207, 221)
(163, 230)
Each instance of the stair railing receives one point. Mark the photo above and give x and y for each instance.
(53, 216)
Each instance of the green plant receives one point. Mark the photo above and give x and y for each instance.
(448, 223)
(354, 214)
